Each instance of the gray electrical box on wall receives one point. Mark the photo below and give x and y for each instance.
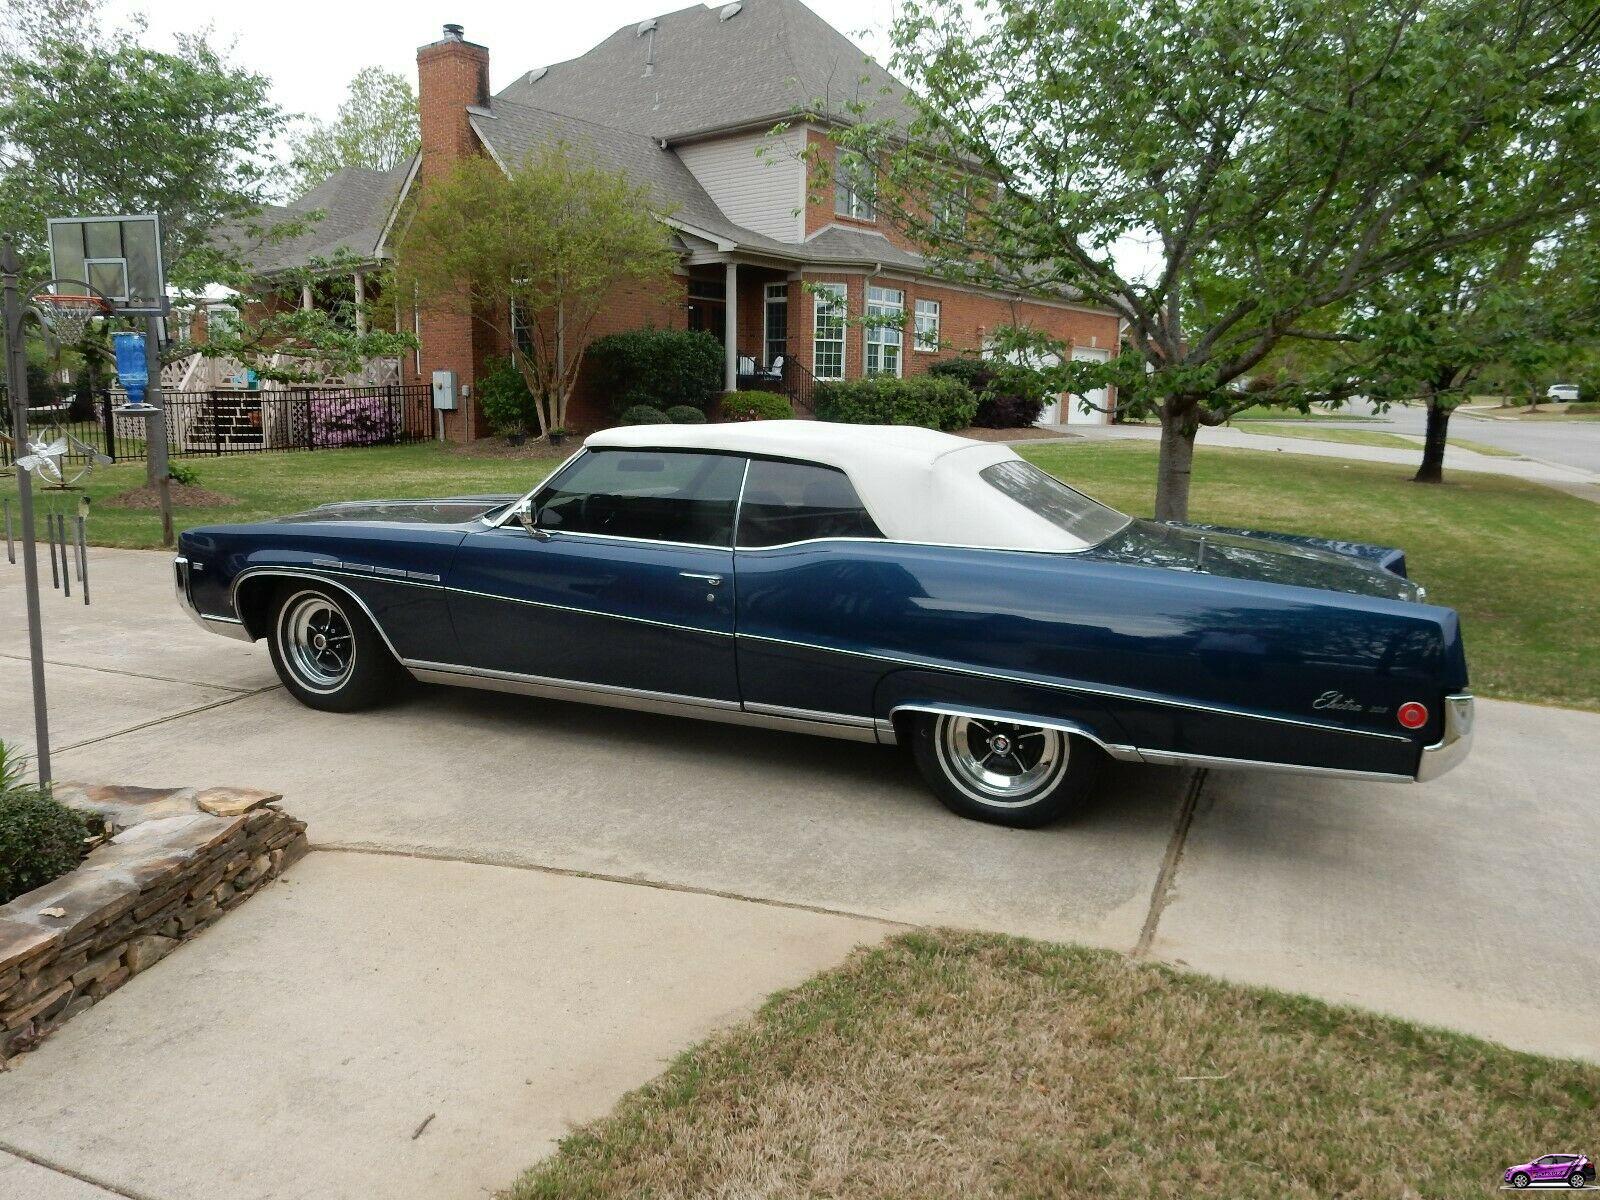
(444, 391)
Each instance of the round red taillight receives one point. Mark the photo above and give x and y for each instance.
(1413, 715)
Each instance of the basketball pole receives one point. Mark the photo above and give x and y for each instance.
(156, 422)
(17, 374)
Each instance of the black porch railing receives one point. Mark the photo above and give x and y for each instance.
(792, 380)
(227, 421)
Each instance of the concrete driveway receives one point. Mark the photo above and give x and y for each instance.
(514, 834)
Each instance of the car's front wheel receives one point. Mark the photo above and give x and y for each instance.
(1004, 772)
(1520, 1180)
(326, 652)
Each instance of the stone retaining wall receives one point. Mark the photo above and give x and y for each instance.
(176, 860)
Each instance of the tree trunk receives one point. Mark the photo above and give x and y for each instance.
(1176, 464)
(1432, 468)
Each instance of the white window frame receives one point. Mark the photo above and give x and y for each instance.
(771, 294)
(884, 338)
(853, 188)
(830, 301)
(926, 338)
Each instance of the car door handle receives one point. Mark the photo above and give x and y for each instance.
(708, 580)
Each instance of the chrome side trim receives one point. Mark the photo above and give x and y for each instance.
(1454, 743)
(1172, 758)
(1086, 689)
(834, 725)
(1115, 750)
(589, 612)
(320, 576)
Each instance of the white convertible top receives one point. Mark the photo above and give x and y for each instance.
(919, 485)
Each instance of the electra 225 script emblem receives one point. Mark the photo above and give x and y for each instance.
(1411, 714)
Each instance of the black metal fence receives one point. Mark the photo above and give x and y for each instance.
(227, 421)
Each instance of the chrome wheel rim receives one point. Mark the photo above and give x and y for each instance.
(317, 642)
(1001, 763)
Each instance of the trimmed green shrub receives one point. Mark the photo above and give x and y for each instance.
(685, 414)
(663, 368)
(504, 397)
(1010, 395)
(1589, 390)
(183, 474)
(643, 414)
(755, 406)
(925, 400)
(40, 838)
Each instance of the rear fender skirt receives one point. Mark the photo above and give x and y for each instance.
(931, 691)
(888, 730)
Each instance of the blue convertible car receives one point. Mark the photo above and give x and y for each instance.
(879, 584)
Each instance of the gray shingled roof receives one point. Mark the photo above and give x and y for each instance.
(774, 58)
(355, 204)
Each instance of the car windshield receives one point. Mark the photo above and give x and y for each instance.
(1066, 508)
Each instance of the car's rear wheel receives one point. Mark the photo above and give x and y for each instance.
(1575, 1179)
(1004, 772)
(326, 652)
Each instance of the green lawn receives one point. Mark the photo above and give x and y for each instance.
(267, 485)
(968, 1065)
(1370, 437)
(1518, 560)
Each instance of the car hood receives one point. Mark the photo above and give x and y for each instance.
(1236, 554)
(450, 510)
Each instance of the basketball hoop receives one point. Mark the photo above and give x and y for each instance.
(68, 317)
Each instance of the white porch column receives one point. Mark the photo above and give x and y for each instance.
(305, 297)
(361, 302)
(730, 328)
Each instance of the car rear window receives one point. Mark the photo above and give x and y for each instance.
(1044, 495)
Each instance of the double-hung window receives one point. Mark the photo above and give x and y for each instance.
(853, 187)
(886, 315)
(927, 325)
(827, 331)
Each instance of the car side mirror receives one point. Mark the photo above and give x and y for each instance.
(525, 518)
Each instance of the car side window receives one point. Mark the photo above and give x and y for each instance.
(795, 502)
(655, 495)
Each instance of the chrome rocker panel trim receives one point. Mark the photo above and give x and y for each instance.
(1454, 743)
(834, 725)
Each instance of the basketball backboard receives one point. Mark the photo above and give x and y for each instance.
(119, 257)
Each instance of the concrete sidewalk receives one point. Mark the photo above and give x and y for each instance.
(1470, 902)
(296, 1049)
(1238, 437)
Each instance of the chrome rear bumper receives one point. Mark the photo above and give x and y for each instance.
(227, 626)
(1452, 747)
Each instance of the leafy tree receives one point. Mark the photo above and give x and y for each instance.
(377, 127)
(554, 239)
(1432, 333)
(93, 121)
(1269, 159)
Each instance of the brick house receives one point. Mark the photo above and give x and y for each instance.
(687, 103)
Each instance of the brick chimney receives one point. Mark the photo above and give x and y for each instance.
(452, 73)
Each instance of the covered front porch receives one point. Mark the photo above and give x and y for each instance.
(753, 308)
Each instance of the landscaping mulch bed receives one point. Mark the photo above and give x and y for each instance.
(1029, 434)
(183, 496)
(500, 448)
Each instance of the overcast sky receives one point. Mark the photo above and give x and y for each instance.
(311, 48)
